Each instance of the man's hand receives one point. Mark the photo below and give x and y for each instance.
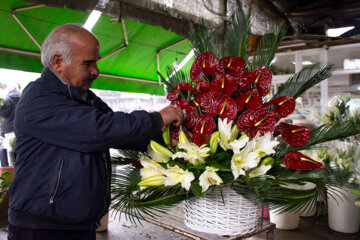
(172, 115)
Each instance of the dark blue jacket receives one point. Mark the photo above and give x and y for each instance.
(62, 170)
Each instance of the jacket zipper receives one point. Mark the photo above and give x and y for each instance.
(57, 182)
(107, 185)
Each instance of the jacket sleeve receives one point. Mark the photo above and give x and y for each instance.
(59, 120)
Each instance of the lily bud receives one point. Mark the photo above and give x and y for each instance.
(160, 149)
(166, 135)
(268, 161)
(156, 180)
(214, 141)
(183, 138)
(234, 133)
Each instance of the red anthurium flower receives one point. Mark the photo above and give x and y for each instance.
(206, 64)
(260, 77)
(203, 129)
(294, 135)
(298, 161)
(249, 99)
(174, 94)
(256, 120)
(283, 106)
(227, 108)
(207, 102)
(174, 132)
(235, 66)
(191, 115)
(224, 84)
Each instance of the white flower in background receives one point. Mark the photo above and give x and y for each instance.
(194, 154)
(263, 145)
(262, 170)
(243, 161)
(238, 144)
(177, 175)
(150, 168)
(209, 177)
(158, 152)
(225, 133)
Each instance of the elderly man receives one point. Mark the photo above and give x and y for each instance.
(64, 131)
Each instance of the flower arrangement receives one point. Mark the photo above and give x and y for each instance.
(232, 135)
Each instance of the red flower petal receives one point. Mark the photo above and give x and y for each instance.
(256, 120)
(298, 161)
(264, 82)
(224, 84)
(191, 115)
(174, 132)
(206, 64)
(235, 66)
(174, 93)
(283, 106)
(207, 102)
(245, 81)
(250, 99)
(227, 108)
(205, 125)
(200, 139)
(295, 135)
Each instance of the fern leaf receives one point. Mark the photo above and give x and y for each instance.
(204, 40)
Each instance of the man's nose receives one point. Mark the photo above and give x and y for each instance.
(95, 70)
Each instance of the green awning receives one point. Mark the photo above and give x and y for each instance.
(132, 69)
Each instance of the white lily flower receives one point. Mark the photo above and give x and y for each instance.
(194, 154)
(157, 156)
(225, 133)
(263, 145)
(150, 168)
(262, 170)
(209, 177)
(244, 160)
(238, 144)
(177, 175)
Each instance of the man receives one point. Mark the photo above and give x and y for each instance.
(7, 112)
(62, 172)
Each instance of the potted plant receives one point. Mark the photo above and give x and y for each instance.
(6, 177)
(232, 155)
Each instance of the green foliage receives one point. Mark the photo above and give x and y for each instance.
(308, 77)
(174, 78)
(127, 196)
(269, 43)
(6, 178)
(236, 41)
(204, 40)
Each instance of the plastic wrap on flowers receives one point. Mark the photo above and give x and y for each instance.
(209, 213)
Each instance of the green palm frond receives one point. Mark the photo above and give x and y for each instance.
(204, 40)
(236, 40)
(174, 77)
(308, 77)
(268, 45)
(324, 133)
(127, 196)
(123, 157)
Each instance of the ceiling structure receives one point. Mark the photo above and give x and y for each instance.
(140, 38)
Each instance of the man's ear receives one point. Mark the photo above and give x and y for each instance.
(57, 63)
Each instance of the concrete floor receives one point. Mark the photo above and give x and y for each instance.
(310, 228)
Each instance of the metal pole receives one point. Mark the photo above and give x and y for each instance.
(13, 50)
(128, 78)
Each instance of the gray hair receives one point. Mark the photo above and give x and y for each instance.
(59, 42)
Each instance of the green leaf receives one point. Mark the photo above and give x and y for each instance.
(308, 77)
(219, 156)
(219, 166)
(204, 40)
(196, 188)
(236, 40)
(268, 45)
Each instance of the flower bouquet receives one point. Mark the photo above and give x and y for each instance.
(233, 137)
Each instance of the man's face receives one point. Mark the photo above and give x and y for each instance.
(82, 70)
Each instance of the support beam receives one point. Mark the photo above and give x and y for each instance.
(13, 50)
(13, 13)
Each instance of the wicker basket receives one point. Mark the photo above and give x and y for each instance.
(209, 214)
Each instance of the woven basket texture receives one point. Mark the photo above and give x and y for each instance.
(209, 214)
